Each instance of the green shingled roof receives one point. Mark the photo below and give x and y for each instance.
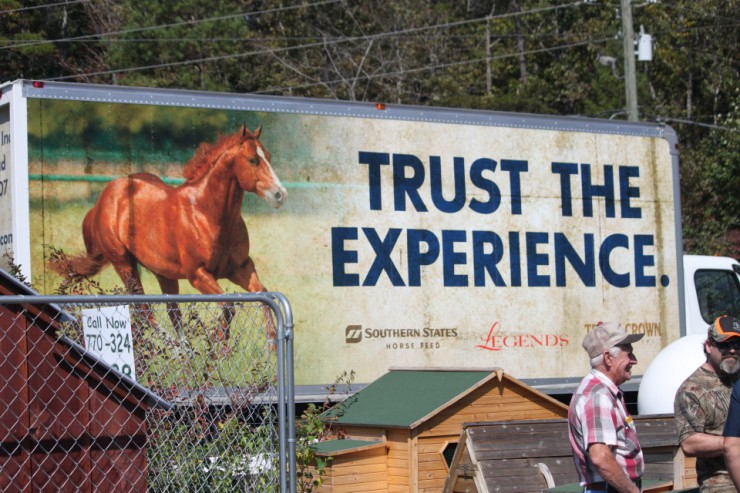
(400, 398)
(333, 446)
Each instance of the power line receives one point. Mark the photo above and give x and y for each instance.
(676, 30)
(698, 124)
(432, 67)
(321, 43)
(48, 5)
(688, 9)
(495, 34)
(530, 35)
(279, 9)
(693, 12)
(274, 51)
(194, 61)
(166, 26)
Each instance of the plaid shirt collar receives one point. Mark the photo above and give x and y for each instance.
(607, 383)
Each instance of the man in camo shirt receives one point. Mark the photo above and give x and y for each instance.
(702, 403)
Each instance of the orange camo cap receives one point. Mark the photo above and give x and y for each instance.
(724, 328)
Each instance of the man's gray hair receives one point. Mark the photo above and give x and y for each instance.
(598, 360)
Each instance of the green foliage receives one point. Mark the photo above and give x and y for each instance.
(13, 268)
(29, 48)
(197, 447)
(315, 427)
(184, 37)
(137, 134)
(186, 456)
(710, 184)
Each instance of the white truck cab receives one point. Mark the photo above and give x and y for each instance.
(711, 289)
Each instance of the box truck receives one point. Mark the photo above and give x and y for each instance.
(410, 236)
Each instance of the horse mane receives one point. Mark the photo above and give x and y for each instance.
(205, 156)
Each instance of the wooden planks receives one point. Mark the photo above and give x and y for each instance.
(508, 452)
(365, 471)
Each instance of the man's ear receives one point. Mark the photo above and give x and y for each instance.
(608, 359)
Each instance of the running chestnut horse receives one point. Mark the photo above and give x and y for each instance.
(194, 231)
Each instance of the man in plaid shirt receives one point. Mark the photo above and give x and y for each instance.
(603, 437)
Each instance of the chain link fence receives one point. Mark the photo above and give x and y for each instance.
(147, 393)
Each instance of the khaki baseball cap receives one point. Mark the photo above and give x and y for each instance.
(724, 328)
(605, 336)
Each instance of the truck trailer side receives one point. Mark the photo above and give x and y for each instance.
(411, 236)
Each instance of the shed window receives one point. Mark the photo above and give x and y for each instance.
(449, 452)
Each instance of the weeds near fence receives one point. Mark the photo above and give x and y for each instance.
(220, 456)
(315, 426)
(222, 433)
(14, 269)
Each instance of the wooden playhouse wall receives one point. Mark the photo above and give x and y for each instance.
(365, 471)
(413, 458)
(505, 401)
(399, 460)
(342, 474)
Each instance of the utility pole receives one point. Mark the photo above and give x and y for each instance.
(630, 83)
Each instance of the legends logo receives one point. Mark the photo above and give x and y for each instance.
(496, 340)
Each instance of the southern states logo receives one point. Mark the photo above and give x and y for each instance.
(353, 334)
(426, 338)
(496, 340)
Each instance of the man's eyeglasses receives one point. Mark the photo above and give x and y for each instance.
(727, 345)
(627, 348)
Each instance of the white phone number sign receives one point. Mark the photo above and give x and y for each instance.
(108, 335)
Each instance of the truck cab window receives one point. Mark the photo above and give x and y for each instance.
(718, 292)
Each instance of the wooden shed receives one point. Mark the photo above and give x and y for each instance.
(403, 429)
(532, 456)
(69, 422)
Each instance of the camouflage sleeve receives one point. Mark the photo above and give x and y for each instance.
(689, 415)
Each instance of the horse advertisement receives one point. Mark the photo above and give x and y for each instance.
(401, 239)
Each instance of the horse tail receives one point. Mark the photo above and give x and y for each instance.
(81, 265)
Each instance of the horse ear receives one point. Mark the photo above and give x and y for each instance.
(243, 130)
(258, 132)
